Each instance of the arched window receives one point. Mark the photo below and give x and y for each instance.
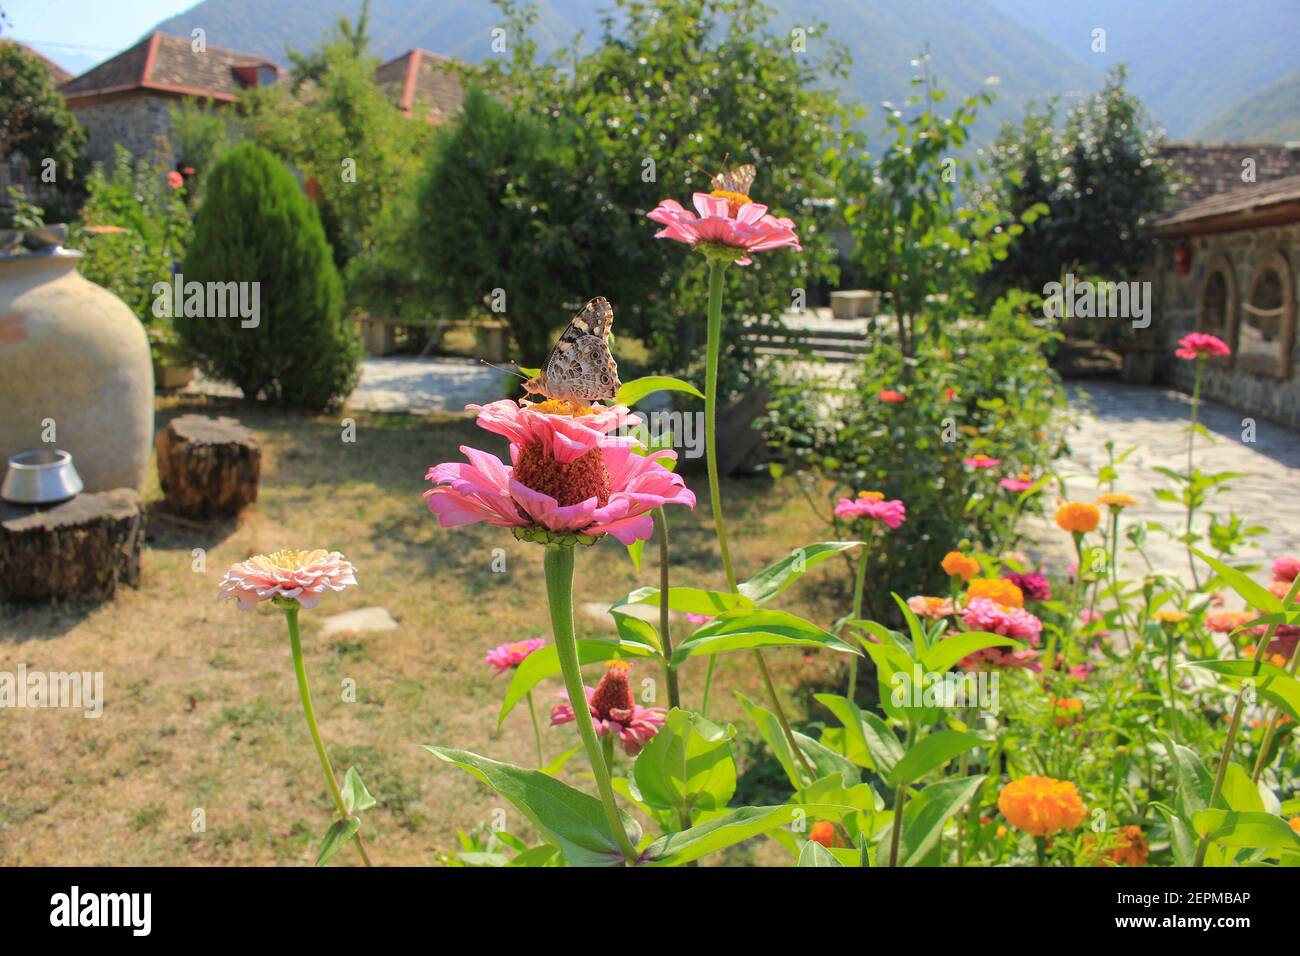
(1267, 332)
(1216, 312)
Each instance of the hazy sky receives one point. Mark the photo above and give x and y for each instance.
(76, 34)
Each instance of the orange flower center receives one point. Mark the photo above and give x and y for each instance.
(561, 406)
(734, 200)
(583, 478)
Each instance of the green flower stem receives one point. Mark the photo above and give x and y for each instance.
(537, 732)
(900, 800)
(717, 266)
(1114, 572)
(1271, 729)
(1191, 440)
(558, 565)
(670, 672)
(1231, 740)
(300, 669)
(858, 587)
(708, 685)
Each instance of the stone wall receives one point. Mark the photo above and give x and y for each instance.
(1253, 381)
(140, 121)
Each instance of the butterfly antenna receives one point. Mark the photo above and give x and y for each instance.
(508, 371)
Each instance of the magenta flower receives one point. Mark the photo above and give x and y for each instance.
(1286, 569)
(1196, 344)
(698, 619)
(1035, 587)
(302, 576)
(1018, 484)
(563, 430)
(506, 656)
(982, 614)
(980, 462)
(724, 221)
(566, 477)
(872, 504)
(615, 711)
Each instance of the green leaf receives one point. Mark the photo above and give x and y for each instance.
(1271, 682)
(545, 662)
(1251, 592)
(775, 578)
(741, 824)
(930, 753)
(571, 820)
(814, 854)
(753, 627)
(637, 389)
(1194, 782)
(339, 833)
(924, 816)
(355, 795)
(687, 765)
(634, 552)
(1233, 828)
(543, 855)
(1239, 792)
(950, 650)
(1182, 839)
(769, 728)
(689, 600)
(557, 763)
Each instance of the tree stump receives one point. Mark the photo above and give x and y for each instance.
(81, 549)
(208, 467)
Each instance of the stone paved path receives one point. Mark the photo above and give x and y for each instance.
(1154, 420)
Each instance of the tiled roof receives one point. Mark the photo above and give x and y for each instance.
(1260, 203)
(1213, 168)
(170, 64)
(424, 84)
(58, 75)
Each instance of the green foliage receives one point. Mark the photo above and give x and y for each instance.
(35, 123)
(256, 226)
(200, 134)
(1099, 172)
(1006, 403)
(132, 229)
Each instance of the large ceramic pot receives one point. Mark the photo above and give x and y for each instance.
(74, 368)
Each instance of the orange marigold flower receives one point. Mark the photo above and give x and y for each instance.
(1066, 711)
(1295, 824)
(1130, 848)
(959, 565)
(998, 590)
(1116, 501)
(823, 832)
(1077, 516)
(930, 608)
(1041, 805)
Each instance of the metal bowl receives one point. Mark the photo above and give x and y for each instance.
(42, 477)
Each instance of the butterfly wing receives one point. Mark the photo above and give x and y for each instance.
(580, 366)
(738, 180)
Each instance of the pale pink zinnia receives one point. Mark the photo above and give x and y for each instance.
(1196, 344)
(505, 656)
(615, 711)
(931, 608)
(1018, 484)
(566, 477)
(873, 505)
(725, 221)
(698, 619)
(303, 576)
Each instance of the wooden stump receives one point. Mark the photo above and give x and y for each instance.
(208, 467)
(82, 548)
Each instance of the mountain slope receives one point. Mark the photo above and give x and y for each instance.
(1270, 116)
(1189, 59)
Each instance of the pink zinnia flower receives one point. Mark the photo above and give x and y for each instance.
(1196, 344)
(983, 614)
(566, 476)
(615, 711)
(891, 397)
(872, 504)
(698, 619)
(1286, 569)
(931, 608)
(175, 180)
(980, 462)
(505, 656)
(1017, 485)
(725, 221)
(1035, 587)
(302, 576)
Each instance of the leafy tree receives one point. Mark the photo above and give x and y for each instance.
(1100, 174)
(255, 225)
(34, 121)
(200, 133)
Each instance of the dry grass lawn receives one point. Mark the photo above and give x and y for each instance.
(201, 708)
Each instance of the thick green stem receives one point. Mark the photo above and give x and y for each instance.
(300, 669)
(670, 672)
(716, 269)
(559, 594)
(1191, 491)
(1235, 723)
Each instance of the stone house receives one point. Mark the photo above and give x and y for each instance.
(1226, 265)
(423, 84)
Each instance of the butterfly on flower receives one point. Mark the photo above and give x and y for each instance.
(580, 368)
(733, 185)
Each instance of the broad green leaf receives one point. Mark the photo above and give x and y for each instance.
(635, 630)
(545, 662)
(1239, 792)
(769, 728)
(924, 816)
(850, 716)
(1271, 682)
(1194, 782)
(634, 552)
(741, 824)
(689, 600)
(543, 855)
(1182, 838)
(339, 833)
(687, 765)
(637, 389)
(950, 650)
(570, 819)
(1232, 828)
(355, 795)
(775, 578)
(748, 628)
(930, 753)
(1250, 591)
(814, 854)
(886, 749)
